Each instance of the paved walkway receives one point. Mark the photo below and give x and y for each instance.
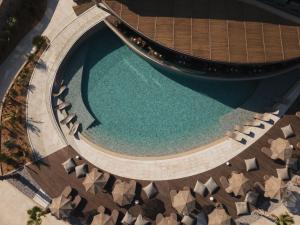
(14, 206)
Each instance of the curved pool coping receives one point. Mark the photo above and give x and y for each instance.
(153, 168)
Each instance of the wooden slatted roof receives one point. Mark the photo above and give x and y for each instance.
(218, 30)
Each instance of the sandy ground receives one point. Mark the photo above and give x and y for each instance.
(15, 214)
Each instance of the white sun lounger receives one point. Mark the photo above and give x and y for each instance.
(254, 123)
(61, 90)
(68, 119)
(242, 130)
(63, 105)
(74, 128)
(263, 117)
(234, 136)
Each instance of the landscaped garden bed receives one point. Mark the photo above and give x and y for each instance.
(17, 18)
(15, 148)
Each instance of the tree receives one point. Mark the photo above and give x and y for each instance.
(35, 215)
(284, 219)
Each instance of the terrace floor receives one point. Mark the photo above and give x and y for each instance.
(51, 177)
(218, 30)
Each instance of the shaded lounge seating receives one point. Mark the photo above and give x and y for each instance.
(124, 192)
(63, 105)
(150, 190)
(68, 118)
(288, 131)
(183, 201)
(95, 181)
(171, 220)
(61, 207)
(219, 216)
(60, 91)
(74, 129)
(274, 188)
(281, 149)
(239, 184)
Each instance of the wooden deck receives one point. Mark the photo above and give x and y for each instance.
(52, 178)
(217, 30)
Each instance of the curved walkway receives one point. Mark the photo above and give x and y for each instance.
(48, 138)
(44, 134)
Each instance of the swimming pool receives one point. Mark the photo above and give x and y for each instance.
(142, 110)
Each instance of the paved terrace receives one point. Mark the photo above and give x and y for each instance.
(218, 30)
(52, 178)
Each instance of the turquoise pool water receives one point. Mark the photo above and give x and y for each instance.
(142, 110)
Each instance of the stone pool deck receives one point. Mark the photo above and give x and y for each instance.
(46, 137)
(44, 134)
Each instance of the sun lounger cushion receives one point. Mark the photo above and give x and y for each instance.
(283, 174)
(69, 165)
(81, 170)
(241, 208)
(251, 164)
(128, 219)
(211, 185)
(288, 131)
(187, 220)
(292, 163)
(200, 188)
(251, 197)
(150, 190)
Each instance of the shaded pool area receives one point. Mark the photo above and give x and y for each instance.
(142, 110)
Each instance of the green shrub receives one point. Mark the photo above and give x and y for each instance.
(39, 41)
(35, 215)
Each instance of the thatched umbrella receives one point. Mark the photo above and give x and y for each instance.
(171, 220)
(61, 207)
(124, 192)
(95, 180)
(239, 184)
(274, 188)
(219, 217)
(184, 202)
(102, 219)
(291, 200)
(281, 149)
